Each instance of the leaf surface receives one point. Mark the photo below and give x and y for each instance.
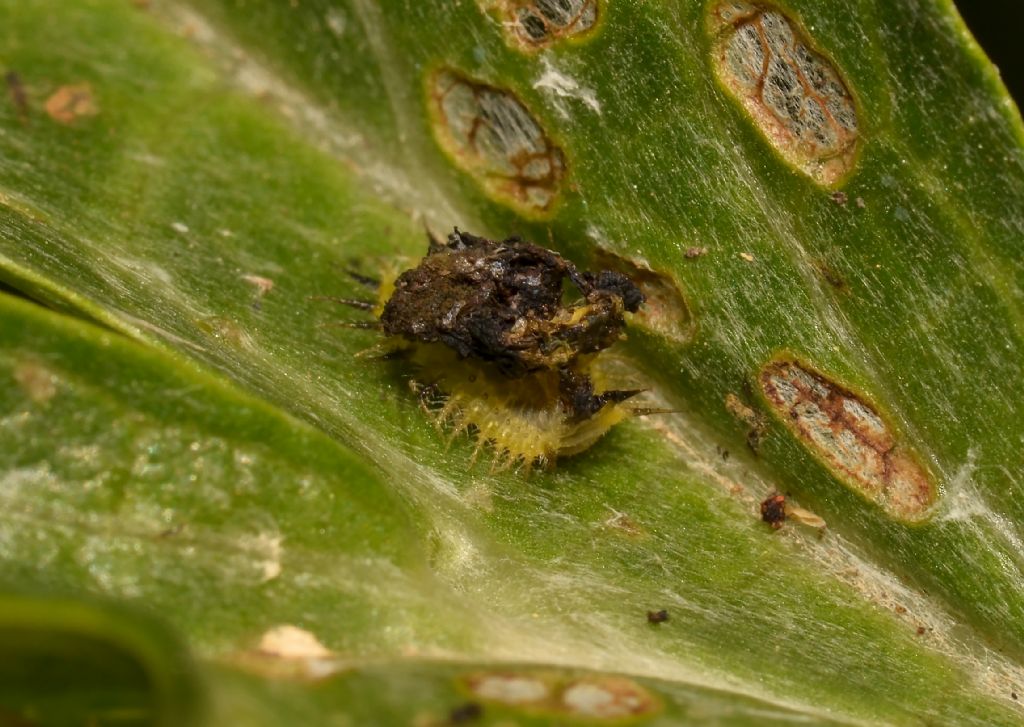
(224, 163)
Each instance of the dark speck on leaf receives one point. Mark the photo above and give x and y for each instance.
(657, 617)
(773, 510)
(468, 712)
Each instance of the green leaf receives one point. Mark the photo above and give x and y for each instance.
(69, 662)
(189, 175)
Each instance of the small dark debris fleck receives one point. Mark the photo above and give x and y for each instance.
(840, 198)
(657, 617)
(1013, 695)
(19, 97)
(773, 510)
(467, 712)
(921, 630)
(832, 276)
(694, 252)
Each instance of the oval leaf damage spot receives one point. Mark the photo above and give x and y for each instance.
(593, 698)
(69, 103)
(537, 23)
(850, 436)
(492, 136)
(291, 642)
(289, 652)
(37, 381)
(794, 95)
(665, 310)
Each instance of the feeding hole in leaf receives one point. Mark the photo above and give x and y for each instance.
(69, 103)
(491, 135)
(507, 688)
(291, 642)
(595, 698)
(537, 23)
(665, 309)
(36, 380)
(850, 436)
(289, 652)
(794, 95)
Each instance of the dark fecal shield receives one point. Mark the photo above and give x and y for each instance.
(502, 302)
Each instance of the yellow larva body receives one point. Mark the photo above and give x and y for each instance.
(500, 354)
(522, 420)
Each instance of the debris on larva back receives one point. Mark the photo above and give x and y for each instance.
(502, 352)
